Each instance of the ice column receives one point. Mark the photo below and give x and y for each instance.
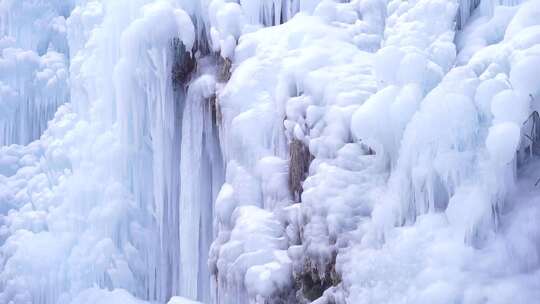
(149, 113)
(201, 172)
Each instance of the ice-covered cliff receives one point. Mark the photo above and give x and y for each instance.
(269, 151)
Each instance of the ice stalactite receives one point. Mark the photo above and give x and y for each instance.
(128, 119)
(32, 88)
(201, 176)
(275, 12)
(406, 70)
(171, 121)
(433, 185)
(36, 26)
(465, 11)
(151, 96)
(130, 68)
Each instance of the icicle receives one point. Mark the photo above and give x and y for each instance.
(201, 176)
(465, 11)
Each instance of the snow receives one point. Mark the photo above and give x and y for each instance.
(522, 75)
(510, 106)
(255, 255)
(99, 296)
(269, 151)
(485, 93)
(502, 142)
(526, 16)
(228, 21)
(181, 300)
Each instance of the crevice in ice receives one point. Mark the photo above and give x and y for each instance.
(213, 104)
(531, 139)
(465, 11)
(225, 69)
(312, 282)
(299, 160)
(184, 63)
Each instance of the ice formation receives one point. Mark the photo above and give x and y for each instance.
(269, 151)
(34, 79)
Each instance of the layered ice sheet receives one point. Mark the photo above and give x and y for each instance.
(269, 151)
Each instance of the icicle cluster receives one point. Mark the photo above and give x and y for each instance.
(34, 67)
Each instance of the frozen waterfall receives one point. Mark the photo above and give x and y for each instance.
(269, 151)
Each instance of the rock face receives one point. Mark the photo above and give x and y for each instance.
(300, 158)
(184, 63)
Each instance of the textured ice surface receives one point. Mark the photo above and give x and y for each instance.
(104, 225)
(34, 78)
